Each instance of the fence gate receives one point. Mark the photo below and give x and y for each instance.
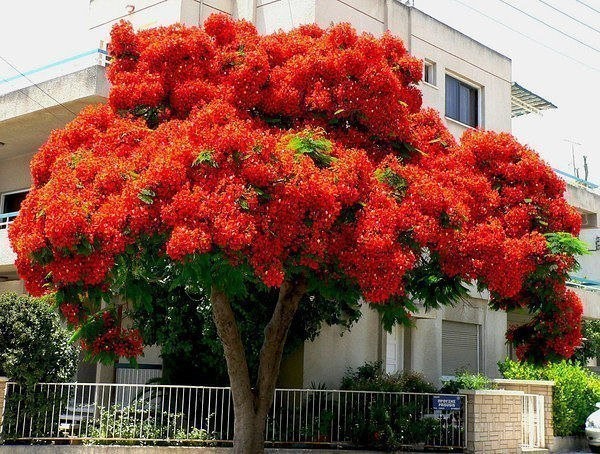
(533, 421)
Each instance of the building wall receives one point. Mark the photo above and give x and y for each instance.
(151, 13)
(15, 286)
(326, 359)
(14, 173)
(272, 16)
(457, 54)
(423, 345)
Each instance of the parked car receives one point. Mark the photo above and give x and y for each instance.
(592, 429)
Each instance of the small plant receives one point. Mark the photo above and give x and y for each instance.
(370, 377)
(466, 380)
(137, 425)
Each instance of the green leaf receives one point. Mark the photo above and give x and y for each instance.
(565, 243)
(315, 146)
(392, 179)
(205, 157)
(147, 196)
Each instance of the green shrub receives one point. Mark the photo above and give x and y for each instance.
(576, 391)
(132, 425)
(466, 380)
(34, 345)
(370, 377)
(390, 426)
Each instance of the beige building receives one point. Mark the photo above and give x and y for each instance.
(469, 83)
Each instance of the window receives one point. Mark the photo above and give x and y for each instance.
(461, 347)
(429, 72)
(11, 201)
(589, 220)
(462, 102)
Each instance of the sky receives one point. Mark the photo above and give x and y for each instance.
(38, 32)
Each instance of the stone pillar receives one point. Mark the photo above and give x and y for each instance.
(541, 387)
(3, 381)
(494, 419)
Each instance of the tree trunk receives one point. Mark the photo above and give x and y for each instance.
(249, 433)
(251, 405)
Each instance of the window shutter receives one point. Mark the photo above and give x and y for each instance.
(460, 347)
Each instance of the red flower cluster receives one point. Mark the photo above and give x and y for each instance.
(306, 149)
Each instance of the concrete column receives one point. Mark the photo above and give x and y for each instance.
(245, 9)
(426, 348)
(541, 387)
(494, 419)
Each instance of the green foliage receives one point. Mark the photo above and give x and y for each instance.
(565, 243)
(133, 426)
(315, 146)
(466, 380)
(171, 307)
(576, 391)
(34, 346)
(205, 157)
(147, 196)
(427, 284)
(393, 180)
(591, 342)
(370, 377)
(39, 405)
(182, 324)
(390, 426)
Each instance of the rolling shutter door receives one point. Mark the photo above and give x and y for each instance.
(460, 347)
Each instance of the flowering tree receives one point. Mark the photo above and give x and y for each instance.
(298, 161)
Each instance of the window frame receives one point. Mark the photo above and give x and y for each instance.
(427, 63)
(476, 88)
(3, 198)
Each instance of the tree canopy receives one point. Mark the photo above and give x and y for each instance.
(228, 160)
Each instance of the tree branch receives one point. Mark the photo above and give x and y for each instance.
(237, 366)
(275, 335)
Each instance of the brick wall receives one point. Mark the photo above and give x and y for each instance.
(541, 387)
(494, 420)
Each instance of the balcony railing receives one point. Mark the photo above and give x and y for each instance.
(55, 69)
(6, 219)
(577, 180)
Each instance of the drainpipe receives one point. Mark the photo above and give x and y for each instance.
(409, 43)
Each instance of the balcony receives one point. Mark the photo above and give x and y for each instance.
(35, 102)
(7, 255)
